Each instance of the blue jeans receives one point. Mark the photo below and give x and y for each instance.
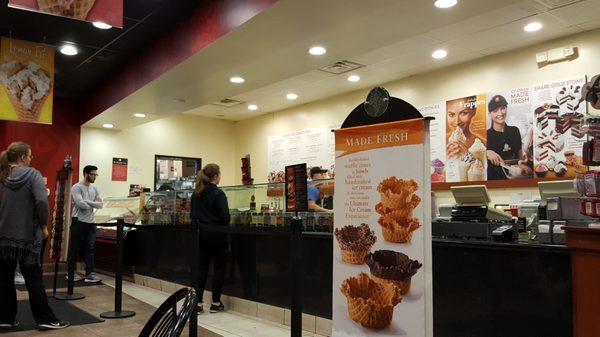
(86, 232)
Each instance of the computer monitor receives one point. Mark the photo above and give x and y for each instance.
(470, 195)
(560, 188)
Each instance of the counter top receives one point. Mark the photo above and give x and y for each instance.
(501, 245)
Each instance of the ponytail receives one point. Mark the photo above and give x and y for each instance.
(206, 176)
(11, 155)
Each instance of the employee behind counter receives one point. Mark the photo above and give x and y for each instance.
(314, 195)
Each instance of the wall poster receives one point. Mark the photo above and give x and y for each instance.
(26, 81)
(437, 139)
(119, 169)
(106, 11)
(382, 247)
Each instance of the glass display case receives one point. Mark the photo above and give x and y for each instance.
(175, 173)
(260, 205)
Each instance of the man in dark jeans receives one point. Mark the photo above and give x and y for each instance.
(86, 198)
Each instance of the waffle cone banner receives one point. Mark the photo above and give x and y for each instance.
(106, 11)
(26, 81)
(382, 245)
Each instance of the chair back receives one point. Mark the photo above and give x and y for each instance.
(170, 318)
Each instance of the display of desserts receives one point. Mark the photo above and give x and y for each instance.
(77, 9)
(398, 200)
(355, 242)
(27, 86)
(388, 266)
(541, 171)
(370, 303)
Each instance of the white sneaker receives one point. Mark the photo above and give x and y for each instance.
(76, 278)
(19, 279)
(92, 278)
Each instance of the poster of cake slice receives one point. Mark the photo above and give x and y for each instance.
(466, 139)
(106, 11)
(437, 139)
(382, 248)
(558, 111)
(26, 81)
(509, 135)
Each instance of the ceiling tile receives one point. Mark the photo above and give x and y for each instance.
(578, 13)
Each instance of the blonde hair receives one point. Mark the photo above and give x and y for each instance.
(206, 176)
(11, 155)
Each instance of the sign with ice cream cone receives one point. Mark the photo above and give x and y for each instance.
(26, 81)
(382, 249)
(106, 11)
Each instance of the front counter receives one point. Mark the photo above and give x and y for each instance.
(480, 288)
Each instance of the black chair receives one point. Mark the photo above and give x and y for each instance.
(167, 320)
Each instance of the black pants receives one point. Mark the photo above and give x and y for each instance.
(32, 272)
(86, 232)
(215, 250)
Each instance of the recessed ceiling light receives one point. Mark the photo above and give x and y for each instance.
(108, 126)
(353, 78)
(101, 25)
(139, 115)
(237, 79)
(439, 54)
(532, 27)
(69, 49)
(445, 3)
(291, 96)
(317, 51)
(252, 107)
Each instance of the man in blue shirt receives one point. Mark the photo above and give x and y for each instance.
(314, 195)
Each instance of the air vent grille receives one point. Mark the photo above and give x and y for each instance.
(227, 102)
(553, 4)
(341, 67)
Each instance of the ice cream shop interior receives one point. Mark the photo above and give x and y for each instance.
(300, 168)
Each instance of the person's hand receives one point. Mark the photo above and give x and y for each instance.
(456, 149)
(45, 231)
(494, 158)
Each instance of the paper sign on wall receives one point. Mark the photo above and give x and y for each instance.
(380, 250)
(119, 169)
(27, 81)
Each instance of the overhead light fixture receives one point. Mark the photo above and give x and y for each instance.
(317, 50)
(439, 54)
(68, 49)
(108, 126)
(445, 3)
(139, 115)
(252, 107)
(237, 79)
(532, 27)
(291, 96)
(353, 78)
(101, 25)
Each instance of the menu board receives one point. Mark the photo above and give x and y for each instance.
(380, 259)
(26, 81)
(314, 146)
(437, 133)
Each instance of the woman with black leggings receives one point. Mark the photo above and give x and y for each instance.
(209, 207)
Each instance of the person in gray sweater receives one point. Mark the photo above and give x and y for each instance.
(24, 215)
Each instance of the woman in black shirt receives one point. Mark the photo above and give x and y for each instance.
(209, 207)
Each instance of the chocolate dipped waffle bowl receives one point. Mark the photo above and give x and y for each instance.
(355, 242)
(388, 266)
(370, 303)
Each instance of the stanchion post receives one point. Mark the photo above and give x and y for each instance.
(71, 262)
(296, 275)
(195, 251)
(118, 313)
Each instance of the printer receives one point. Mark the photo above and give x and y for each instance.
(473, 203)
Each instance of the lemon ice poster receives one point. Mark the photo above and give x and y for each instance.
(26, 81)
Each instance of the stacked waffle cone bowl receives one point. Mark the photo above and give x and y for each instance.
(355, 242)
(398, 200)
(27, 86)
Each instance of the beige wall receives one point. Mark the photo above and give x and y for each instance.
(182, 135)
(503, 71)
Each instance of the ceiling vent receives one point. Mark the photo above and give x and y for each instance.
(227, 102)
(341, 67)
(553, 4)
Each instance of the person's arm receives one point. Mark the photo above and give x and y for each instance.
(223, 207)
(77, 195)
(41, 199)
(312, 205)
(97, 203)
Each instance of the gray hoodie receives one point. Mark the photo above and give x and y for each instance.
(23, 213)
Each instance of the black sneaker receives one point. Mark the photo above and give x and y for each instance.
(53, 325)
(10, 326)
(200, 309)
(216, 308)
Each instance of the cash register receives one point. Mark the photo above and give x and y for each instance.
(472, 203)
(473, 218)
